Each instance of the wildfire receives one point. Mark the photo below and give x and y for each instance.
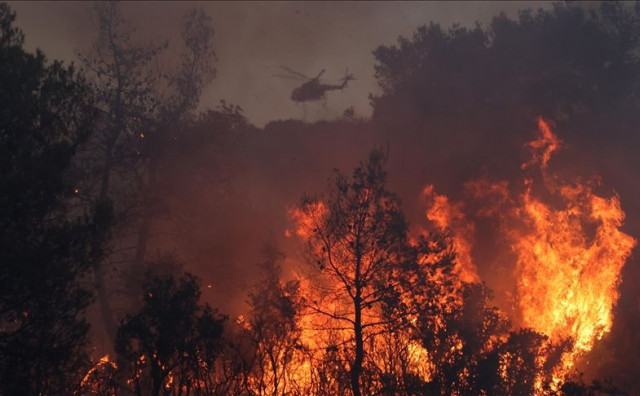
(94, 379)
(569, 259)
(444, 216)
(567, 252)
(409, 311)
(568, 247)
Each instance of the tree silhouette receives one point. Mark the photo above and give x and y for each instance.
(539, 63)
(143, 112)
(174, 114)
(172, 343)
(105, 167)
(44, 248)
(357, 240)
(273, 328)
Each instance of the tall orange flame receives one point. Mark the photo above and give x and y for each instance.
(568, 259)
(569, 252)
(444, 216)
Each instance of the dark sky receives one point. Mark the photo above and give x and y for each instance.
(254, 38)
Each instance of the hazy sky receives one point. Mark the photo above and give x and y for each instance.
(253, 38)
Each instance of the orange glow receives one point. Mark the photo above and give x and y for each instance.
(91, 381)
(449, 217)
(545, 145)
(565, 251)
(569, 249)
(569, 257)
(307, 219)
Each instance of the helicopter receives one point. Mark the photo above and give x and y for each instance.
(313, 89)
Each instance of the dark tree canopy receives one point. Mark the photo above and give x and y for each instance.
(173, 341)
(466, 96)
(44, 248)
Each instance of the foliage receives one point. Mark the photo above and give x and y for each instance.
(44, 249)
(558, 62)
(173, 341)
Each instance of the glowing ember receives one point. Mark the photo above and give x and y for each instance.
(93, 379)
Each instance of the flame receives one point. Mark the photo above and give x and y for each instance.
(569, 249)
(544, 146)
(446, 216)
(568, 282)
(324, 336)
(91, 381)
(569, 274)
(569, 259)
(307, 218)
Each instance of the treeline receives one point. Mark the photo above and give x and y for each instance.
(95, 164)
(86, 158)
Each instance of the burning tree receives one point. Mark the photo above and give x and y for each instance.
(568, 250)
(274, 331)
(358, 242)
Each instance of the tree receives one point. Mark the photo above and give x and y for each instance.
(471, 347)
(273, 328)
(396, 310)
(174, 115)
(105, 167)
(574, 65)
(143, 112)
(173, 341)
(357, 240)
(537, 64)
(44, 247)
(574, 62)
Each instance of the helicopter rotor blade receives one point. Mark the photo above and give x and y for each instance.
(295, 73)
(347, 76)
(289, 77)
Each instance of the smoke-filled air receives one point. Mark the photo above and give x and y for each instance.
(283, 198)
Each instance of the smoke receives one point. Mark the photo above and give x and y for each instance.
(253, 39)
(468, 122)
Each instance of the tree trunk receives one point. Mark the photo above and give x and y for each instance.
(147, 216)
(156, 378)
(356, 368)
(106, 313)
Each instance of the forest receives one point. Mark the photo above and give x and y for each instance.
(474, 236)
